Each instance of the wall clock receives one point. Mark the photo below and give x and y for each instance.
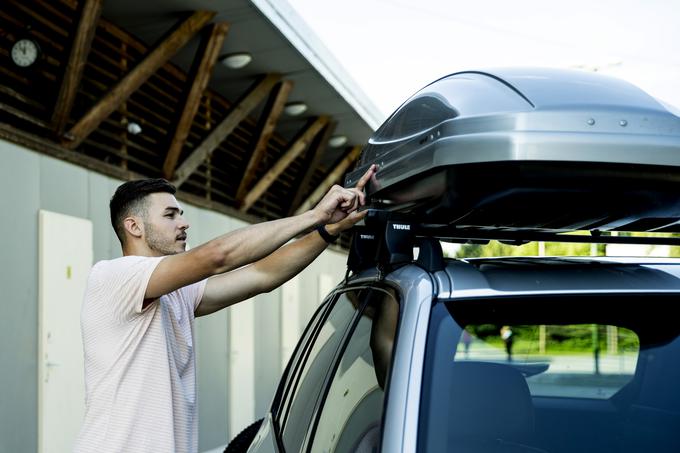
(25, 52)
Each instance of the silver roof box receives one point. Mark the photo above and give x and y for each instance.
(529, 149)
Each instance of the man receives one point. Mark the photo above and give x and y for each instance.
(508, 338)
(138, 310)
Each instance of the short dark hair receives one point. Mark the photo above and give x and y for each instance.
(129, 198)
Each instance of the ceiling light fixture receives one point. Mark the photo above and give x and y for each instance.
(134, 128)
(295, 108)
(236, 60)
(337, 141)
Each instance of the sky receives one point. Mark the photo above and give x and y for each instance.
(392, 48)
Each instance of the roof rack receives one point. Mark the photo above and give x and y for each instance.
(524, 237)
(386, 239)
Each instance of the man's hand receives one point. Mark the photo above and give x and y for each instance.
(340, 202)
(346, 223)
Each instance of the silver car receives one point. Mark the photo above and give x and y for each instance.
(414, 361)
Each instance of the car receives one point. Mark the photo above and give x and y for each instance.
(417, 352)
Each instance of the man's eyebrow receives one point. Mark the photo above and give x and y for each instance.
(172, 208)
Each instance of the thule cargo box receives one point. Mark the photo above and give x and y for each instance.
(529, 150)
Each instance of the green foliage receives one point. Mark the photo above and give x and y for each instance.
(559, 338)
(484, 331)
(495, 248)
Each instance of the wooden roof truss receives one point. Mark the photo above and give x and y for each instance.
(94, 79)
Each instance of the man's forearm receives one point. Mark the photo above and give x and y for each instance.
(252, 243)
(261, 276)
(288, 261)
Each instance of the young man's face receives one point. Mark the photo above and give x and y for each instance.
(164, 226)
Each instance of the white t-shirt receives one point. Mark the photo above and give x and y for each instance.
(140, 378)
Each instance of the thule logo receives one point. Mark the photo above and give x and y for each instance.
(400, 226)
(366, 236)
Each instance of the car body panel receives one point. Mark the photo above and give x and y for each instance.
(416, 291)
(265, 441)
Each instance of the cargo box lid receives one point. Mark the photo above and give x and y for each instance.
(529, 150)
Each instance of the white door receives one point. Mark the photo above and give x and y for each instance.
(241, 391)
(65, 259)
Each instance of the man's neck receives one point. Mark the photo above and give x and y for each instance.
(138, 250)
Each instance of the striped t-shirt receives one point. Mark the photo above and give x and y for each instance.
(140, 381)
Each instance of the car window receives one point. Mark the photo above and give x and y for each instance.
(553, 373)
(283, 395)
(309, 381)
(350, 418)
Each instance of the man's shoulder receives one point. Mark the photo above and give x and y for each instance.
(125, 261)
(123, 264)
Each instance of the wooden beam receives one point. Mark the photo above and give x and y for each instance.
(48, 147)
(332, 177)
(89, 17)
(211, 46)
(239, 111)
(312, 161)
(176, 39)
(270, 116)
(20, 113)
(294, 150)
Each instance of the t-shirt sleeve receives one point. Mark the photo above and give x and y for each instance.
(121, 283)
(196, 291)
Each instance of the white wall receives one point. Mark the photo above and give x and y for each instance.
(238, 369)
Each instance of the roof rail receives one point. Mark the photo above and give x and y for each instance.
(448, 234)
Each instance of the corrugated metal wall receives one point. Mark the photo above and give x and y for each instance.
(239, 350)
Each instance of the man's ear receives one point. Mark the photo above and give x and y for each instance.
(133, 226)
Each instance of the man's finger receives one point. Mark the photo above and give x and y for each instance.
(366, 177)
(357, 198)
(352, 206)
(348, 204)
(362, 197)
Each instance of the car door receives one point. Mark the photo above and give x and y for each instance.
(350, 410)
(336, 340)
(285, 428)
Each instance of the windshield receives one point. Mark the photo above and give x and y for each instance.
(558, 374)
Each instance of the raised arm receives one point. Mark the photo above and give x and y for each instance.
(252, 243)
(275, 269)
(268, 273)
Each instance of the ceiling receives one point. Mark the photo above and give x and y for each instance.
(279, 42)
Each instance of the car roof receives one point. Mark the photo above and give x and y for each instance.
(509, 276)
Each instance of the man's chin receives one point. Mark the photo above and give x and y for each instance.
(177, 250)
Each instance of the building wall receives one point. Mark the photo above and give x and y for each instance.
(238, 368)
